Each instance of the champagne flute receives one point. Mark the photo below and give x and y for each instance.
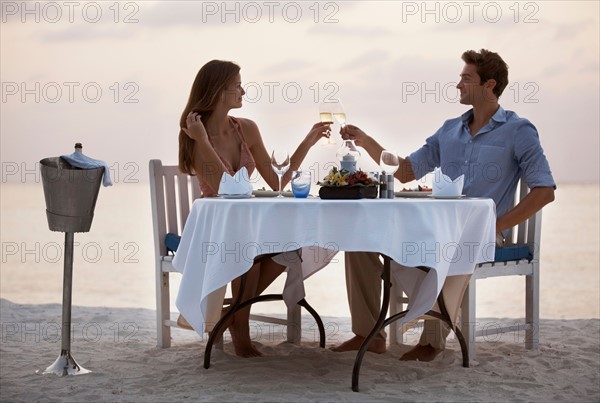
(280, 162)
(326, 115)
(338, 112)
(389, 162)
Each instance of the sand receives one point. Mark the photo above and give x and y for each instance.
(119, 346)
(114, 323)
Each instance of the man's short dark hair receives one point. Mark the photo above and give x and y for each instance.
(490, 66)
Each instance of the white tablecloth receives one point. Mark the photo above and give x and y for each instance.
(222, 237)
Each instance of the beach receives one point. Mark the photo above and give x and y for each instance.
(118, 345)
(120, 77)
(114, 322)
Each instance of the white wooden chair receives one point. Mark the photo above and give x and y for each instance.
(172, 194)
(522, 259)
(398, 303)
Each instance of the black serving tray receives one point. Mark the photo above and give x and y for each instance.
(348, 192)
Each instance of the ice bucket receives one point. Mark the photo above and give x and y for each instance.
(70, 194)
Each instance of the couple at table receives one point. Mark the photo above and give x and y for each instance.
(212, 142)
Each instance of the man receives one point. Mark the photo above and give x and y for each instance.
(493, 148)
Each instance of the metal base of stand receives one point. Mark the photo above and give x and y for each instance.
(64, 365)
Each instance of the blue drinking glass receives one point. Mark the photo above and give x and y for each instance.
(301, 181)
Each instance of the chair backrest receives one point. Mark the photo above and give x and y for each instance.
(172, 193)
(529, 231)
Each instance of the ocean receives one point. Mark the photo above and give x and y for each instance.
(114, 265)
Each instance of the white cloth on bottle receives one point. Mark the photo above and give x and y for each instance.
(79, 160)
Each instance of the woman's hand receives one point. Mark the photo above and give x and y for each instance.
(195, 128)
(317, 132)
(350, 132)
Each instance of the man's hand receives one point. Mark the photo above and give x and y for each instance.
(317, 132)
(350, 132)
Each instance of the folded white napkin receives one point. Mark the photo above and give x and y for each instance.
(444, 186)
(238, 184)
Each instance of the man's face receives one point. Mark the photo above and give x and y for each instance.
(471, 91)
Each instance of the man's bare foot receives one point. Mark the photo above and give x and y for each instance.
(377, 345)
(421, 353)
(242, 344)
(246, 350)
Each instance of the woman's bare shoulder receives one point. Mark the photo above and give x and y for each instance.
(246, 123)
(249, 128)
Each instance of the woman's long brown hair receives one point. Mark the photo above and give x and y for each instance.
(212, 79)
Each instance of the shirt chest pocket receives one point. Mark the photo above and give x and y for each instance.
(492, 154)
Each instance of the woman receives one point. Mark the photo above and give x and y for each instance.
(212, 142)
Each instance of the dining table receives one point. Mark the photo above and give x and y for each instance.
(223, 237)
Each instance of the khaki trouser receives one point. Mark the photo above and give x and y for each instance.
(363, 283)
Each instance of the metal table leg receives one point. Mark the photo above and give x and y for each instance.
(237, 305)
(382, 323)
(378, 325)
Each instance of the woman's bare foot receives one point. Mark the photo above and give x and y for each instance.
(421, 353)
(377, 345)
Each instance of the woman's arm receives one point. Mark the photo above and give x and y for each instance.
(263, 158)
(208, 167)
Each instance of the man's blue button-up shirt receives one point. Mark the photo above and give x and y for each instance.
(493, 160)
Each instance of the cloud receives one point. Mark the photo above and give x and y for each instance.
(82, 33)
(108, 20)
(220, 13)
(186, 13)
(290, 66)
(367, 59)
(345, 31)
(570, 31)
(395, 79)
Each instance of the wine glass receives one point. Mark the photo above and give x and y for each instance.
(280, 162)
(326, 115)
(338, 112)
(389, 162)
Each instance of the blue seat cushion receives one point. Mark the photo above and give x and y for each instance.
(172, 242)
(514, 252)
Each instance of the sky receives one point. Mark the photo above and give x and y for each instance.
(116, 76)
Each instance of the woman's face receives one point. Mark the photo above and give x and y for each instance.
(233, 93)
